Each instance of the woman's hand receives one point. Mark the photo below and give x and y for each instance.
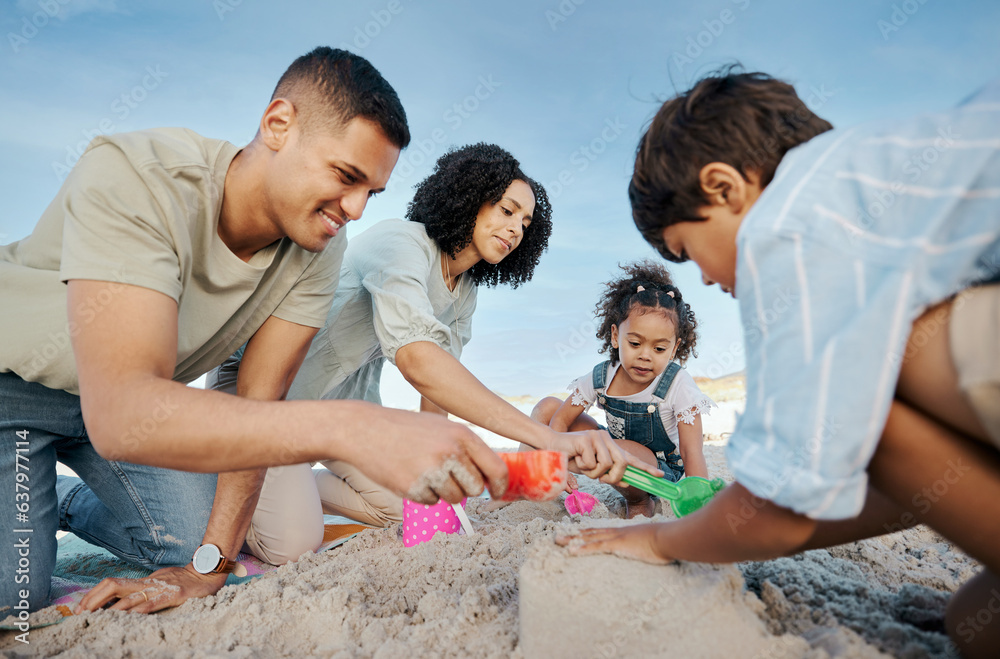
(637, 542)
(169, 586)
(594, 454)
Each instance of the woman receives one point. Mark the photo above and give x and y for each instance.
(407, 294)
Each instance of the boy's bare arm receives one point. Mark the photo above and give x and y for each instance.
(125, 357)
(734, 526)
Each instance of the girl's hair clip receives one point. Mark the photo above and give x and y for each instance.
(670, 293)
(640, 289)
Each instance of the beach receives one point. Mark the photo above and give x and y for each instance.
(509, 590)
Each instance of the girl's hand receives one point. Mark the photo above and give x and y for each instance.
(637, 542)
(571, 484)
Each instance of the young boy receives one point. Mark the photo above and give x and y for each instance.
(866, 263)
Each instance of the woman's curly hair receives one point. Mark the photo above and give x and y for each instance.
(621, 297)
(448, 201)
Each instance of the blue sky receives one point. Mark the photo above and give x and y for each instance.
(567, 86)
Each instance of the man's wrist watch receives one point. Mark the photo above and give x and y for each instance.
(208, 559)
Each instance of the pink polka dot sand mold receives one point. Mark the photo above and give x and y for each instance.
(421, 522)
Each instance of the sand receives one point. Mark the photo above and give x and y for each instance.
(645, 610)
(458, 596)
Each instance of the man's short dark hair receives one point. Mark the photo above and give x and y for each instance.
(329, 87)
(746, 120)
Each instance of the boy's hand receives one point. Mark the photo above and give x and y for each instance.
(637, 542)
(169, 586)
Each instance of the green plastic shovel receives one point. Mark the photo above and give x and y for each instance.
(685, 496)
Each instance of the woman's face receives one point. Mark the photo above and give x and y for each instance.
(500, 227)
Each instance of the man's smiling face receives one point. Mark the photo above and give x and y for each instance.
(323, 179)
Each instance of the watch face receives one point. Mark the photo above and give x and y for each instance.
(206, 558)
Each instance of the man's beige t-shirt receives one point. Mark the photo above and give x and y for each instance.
(143, 208)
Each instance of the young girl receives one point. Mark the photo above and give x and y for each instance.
(653, 406)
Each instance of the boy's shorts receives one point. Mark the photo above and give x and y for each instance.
(975, 347)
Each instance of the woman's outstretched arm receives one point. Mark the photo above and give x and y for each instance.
(446, 383)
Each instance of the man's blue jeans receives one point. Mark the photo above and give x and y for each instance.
(148, 516)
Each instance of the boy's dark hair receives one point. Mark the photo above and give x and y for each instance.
(448, 201)
(746, 120)
(621, 296)
(329, 87)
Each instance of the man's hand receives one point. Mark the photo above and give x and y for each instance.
(169, 586)
(424, 457)
(637, 542)
(594, 454)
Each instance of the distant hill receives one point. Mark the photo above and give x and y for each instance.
(727, 387)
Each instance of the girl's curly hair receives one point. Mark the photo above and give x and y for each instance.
(620, 298)
(448, 201)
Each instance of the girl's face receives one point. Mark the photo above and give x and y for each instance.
(646, 342)
(500, 227)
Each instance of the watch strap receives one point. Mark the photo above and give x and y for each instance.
(227, 566)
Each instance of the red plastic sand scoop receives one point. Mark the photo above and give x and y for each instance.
(535, 475)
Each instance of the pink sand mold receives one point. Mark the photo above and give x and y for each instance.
(580, 503)
(421, 522)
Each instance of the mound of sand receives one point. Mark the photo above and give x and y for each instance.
(460, 596)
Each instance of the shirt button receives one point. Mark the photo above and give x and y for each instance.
(651, 409)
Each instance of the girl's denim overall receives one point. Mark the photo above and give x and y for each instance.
(641, 422)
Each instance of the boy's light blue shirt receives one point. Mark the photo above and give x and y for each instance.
(859, 233)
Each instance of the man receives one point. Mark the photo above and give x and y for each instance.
(162, 253)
